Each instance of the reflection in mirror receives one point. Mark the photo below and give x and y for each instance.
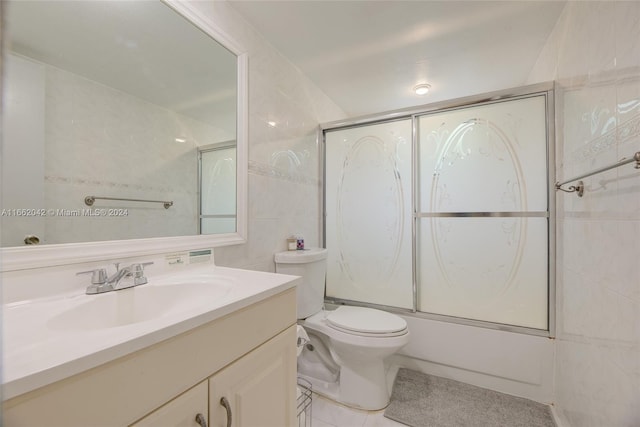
(117, 102)
(217, 188)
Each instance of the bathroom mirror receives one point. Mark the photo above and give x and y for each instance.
(107, 106)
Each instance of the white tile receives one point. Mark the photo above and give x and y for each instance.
(99, 149)
(328, 413)
(601, 30)
(598, 305)
(627, 27)
(336, 414)
(315, 422)
(378, 419)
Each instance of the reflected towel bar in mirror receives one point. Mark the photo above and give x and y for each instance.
(579, 187)
(89, 200)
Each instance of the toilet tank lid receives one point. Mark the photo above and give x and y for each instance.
(302, 256)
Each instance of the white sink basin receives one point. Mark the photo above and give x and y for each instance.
(51, 337)
(141, 303)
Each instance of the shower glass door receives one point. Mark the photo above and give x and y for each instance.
(368, 213)
(446, 212)
(217, 169)
(482, 214)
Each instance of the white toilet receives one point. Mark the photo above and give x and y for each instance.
(344, 359)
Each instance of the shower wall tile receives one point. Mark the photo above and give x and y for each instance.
(627, 34)
(601, 32)
(590, 370)
(284, 156)
(628, 94)
(597, 301)
(594, 53)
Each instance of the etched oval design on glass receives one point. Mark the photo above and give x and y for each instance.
(370, 228)
(478, 256)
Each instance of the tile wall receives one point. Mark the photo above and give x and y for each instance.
(284, 188)
(100, 141)
(94, 148)
(594, 55)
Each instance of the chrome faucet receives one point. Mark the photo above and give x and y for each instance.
(124, 278)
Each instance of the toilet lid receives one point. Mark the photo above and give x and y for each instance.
(366, 320)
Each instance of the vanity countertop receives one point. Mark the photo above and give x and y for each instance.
(52, 338)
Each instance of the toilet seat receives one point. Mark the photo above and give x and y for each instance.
(366, 322)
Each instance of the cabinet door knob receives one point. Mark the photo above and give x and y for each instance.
(201, 421)
(225, 403)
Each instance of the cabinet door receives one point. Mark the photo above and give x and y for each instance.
(259, 388)
(181, 411)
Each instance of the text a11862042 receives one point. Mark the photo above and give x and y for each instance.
(61, 212)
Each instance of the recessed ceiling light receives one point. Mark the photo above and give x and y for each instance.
(422, 89)
(272, 124)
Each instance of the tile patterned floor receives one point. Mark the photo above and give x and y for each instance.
(326, 413)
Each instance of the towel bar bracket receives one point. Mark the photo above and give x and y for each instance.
(578, 189)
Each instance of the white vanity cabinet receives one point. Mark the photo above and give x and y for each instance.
(257, 390)
(186, 410)
(247, 356)
(252, 390)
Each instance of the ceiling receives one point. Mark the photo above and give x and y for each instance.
(368, 55)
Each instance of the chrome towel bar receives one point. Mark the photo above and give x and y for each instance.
(579, 187)
(89, 200)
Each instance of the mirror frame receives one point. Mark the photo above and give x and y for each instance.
(25, 257)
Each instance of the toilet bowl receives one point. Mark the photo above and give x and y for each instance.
(359, 340)
(345, 357)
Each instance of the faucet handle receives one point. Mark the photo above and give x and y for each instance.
(137, 271)
(98, 276)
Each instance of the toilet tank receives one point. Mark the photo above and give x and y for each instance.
(311, 265)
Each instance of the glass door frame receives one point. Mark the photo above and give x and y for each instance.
(545, 89)
(205, 149)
